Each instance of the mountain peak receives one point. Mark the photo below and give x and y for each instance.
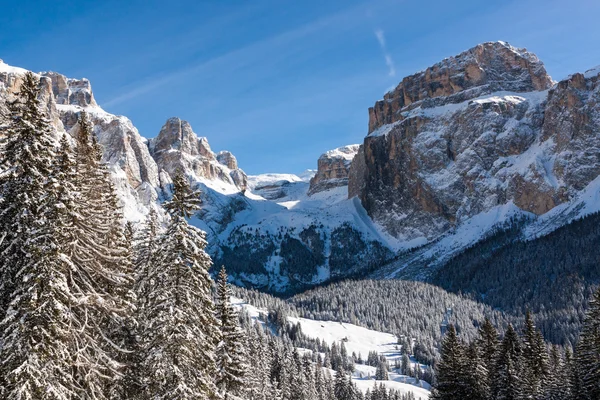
(333, 168)
(486, 68)
(177, 134)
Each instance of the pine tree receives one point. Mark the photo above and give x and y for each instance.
(488, 348)
(588, 352)
(558, 387)
(381, 373)
(405, 364)
(535, 361)
(103, 273)
(231, 352)
(507, 377)
(343, 387)
(571, 383)
(451, 369)
(25, 160)
(38, 329)
(181, 333)
(476, 374)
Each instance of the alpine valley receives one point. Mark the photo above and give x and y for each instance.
(478, 178)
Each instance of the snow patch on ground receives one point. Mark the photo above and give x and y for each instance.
(356, 339)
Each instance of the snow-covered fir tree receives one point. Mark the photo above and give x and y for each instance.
(38, 330)
(588, 353)
(535, 361)
(103, 279)
(507, 384)
(488, 349)
(450, 370)
(231, 352)
(381, 373)
(26, 158)
(180, 332)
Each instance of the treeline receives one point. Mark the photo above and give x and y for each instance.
(407, 309)
(552, 276)
(520, 366)
(413, 311)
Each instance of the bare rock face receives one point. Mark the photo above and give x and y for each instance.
(486, 68)
(71, 91)
(332, 169)
(473, 132)
(227, 159)
(178, 147)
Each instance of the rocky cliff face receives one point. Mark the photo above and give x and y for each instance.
(474, 132)
(178, 147)
(332, 169)
(484, 69)
(141, 169)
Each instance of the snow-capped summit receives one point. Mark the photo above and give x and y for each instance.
(472, 133)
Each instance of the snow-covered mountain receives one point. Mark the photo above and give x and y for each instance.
(452, 153)
(266, 229)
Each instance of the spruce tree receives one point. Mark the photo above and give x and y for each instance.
(38, 328)
(26, 158)
(557, 387)
(507, 384)
(535, 361)
(103, 273)
(146, 247)
(451, 369)
(231, 352)
(381, 373)
(588, 352)
(476, 374)
(180, 333)
(488, 348)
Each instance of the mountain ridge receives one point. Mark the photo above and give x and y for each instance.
(450, 150)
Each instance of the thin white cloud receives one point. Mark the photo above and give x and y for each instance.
(380, 38)
(380, 35)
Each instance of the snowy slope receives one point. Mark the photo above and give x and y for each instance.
(356, 339)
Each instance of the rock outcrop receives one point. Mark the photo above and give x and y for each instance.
(71, 91)
(178, 147)
(484, 69)
(473, 132)
(227, 159)
(332, 169)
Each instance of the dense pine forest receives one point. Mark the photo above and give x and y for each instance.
(563, 264)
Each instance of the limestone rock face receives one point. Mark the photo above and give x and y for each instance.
(332, 169)
(476, 131)
(486, 68)
(178, 147)
(71, 91)
(134, 171)
(227, 159)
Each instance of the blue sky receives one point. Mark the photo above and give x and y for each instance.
(276, 82)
